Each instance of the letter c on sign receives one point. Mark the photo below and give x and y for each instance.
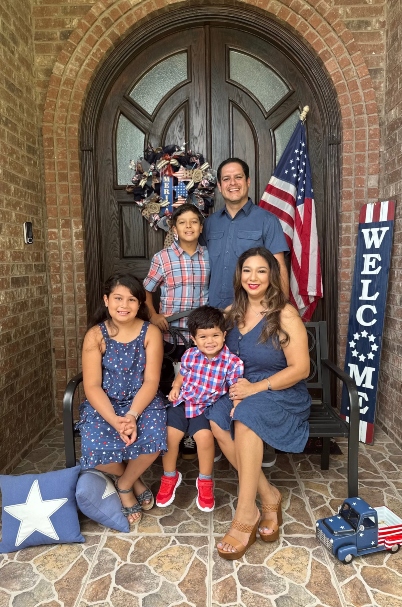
(359, 315)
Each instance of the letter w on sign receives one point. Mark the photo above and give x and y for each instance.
(367, 309)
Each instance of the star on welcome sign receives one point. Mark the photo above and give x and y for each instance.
(355, 351)
(35, 514)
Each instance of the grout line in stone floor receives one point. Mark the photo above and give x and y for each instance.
(91, 567)
(327, 557)
(385, 477)
(210, 563)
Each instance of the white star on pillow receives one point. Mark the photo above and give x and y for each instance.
(35, 514)
(109, 486)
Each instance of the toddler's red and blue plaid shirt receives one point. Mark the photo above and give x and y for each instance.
(205, 379)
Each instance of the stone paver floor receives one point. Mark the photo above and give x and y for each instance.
(170, 559)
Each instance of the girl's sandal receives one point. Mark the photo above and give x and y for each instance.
(269, 524)
(146, 496)
(240, 549)
(130, 510)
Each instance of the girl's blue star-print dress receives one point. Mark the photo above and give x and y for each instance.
(122, 376)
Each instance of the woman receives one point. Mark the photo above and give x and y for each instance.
(267, 333)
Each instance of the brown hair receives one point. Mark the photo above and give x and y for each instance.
(274, 299)
(185, 208)
(136, 288)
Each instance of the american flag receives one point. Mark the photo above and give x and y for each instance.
(289, 196)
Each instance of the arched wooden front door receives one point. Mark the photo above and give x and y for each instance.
(226, 89)
(222, 92)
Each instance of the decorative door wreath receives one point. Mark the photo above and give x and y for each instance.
(167, 177)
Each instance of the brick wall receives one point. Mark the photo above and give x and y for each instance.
(54, 20)
(26, 406)
(390, 387)
(366, 19)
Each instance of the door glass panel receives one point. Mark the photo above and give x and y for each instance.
(161, 79)
(258, 78)
(129, 146)
(284, 132)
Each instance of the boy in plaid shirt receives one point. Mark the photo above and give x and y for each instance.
(206, 372)
(181, 271)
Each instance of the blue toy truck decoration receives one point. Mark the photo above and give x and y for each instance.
(359, 529)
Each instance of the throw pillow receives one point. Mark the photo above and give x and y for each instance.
(39, 509)
(98, 500)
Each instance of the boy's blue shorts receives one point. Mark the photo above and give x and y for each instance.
(176, 418)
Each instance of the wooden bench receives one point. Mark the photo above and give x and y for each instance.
(324, 420)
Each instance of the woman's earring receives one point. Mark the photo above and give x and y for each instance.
(175, 236)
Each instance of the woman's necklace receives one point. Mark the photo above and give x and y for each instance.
(256, 313)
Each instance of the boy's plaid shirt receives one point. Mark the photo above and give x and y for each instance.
(183, 279)
(205, 380)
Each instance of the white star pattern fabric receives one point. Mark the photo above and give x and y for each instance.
(34, 514)
(39, 509)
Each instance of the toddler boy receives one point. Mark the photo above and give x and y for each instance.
(206, 372)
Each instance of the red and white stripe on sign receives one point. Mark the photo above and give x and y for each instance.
(366, 431)
(374, 212)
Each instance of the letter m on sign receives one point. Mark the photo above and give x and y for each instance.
(367, 309)
(364, 379)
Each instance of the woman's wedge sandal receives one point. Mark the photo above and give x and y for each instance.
(268, 523)
(130, 510)
(240, 549)
(146, 496)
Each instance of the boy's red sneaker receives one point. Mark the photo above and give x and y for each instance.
(205, 497)
(167, 490)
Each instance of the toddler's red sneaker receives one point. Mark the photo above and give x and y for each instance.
(167, 490)
(205, 497)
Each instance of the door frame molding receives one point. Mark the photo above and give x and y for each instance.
(256, 22)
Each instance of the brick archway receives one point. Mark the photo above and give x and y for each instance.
(95, 37)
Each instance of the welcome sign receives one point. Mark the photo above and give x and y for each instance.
(367, 309)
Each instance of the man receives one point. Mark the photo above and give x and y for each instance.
(232, 230)
(237, 227)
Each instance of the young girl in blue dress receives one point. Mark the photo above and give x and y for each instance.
(123, 419)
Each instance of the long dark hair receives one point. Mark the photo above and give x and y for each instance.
(136, 289)
(274, 299)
